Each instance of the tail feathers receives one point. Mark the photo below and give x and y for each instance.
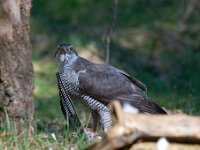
(143, 104)
(148, 106)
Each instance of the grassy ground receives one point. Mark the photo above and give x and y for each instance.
(40, 141)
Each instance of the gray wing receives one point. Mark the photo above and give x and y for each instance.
(133, 80)
(108, 83)
(105, 83)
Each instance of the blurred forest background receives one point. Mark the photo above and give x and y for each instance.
(157, 42)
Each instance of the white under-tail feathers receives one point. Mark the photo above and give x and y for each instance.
(162, 144)
(129, 108)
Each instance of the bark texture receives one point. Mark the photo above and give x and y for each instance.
(16, 70)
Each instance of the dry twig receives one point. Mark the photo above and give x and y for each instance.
(107, 36)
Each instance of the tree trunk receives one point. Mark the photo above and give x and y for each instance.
(16, 70)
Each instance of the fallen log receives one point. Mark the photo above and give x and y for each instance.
(172, 146)
(131, 130)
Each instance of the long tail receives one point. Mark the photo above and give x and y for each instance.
(148, 106)
(67, 107)
(143, 104)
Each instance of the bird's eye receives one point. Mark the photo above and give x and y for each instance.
(58, 49)
(71, 49)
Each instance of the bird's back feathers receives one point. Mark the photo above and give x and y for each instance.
(107, 83)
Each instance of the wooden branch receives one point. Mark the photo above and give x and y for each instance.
(172, 146)
(176, 128)
(191, 4)
(131, 129)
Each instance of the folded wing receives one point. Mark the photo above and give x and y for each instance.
(107, 83)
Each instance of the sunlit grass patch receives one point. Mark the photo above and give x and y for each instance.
(54, 134)
(45, 79)
(39, 141)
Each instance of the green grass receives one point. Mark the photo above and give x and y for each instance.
(42, 137)
(39, 141)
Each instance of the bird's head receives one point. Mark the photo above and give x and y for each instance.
(65, 54)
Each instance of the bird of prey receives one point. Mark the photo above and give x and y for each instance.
(96, 85)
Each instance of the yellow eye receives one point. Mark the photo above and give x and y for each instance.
(71, 49)
(58, 49)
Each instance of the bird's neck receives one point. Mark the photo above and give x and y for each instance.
(73, 57)
(64, 68)
(67, 66)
